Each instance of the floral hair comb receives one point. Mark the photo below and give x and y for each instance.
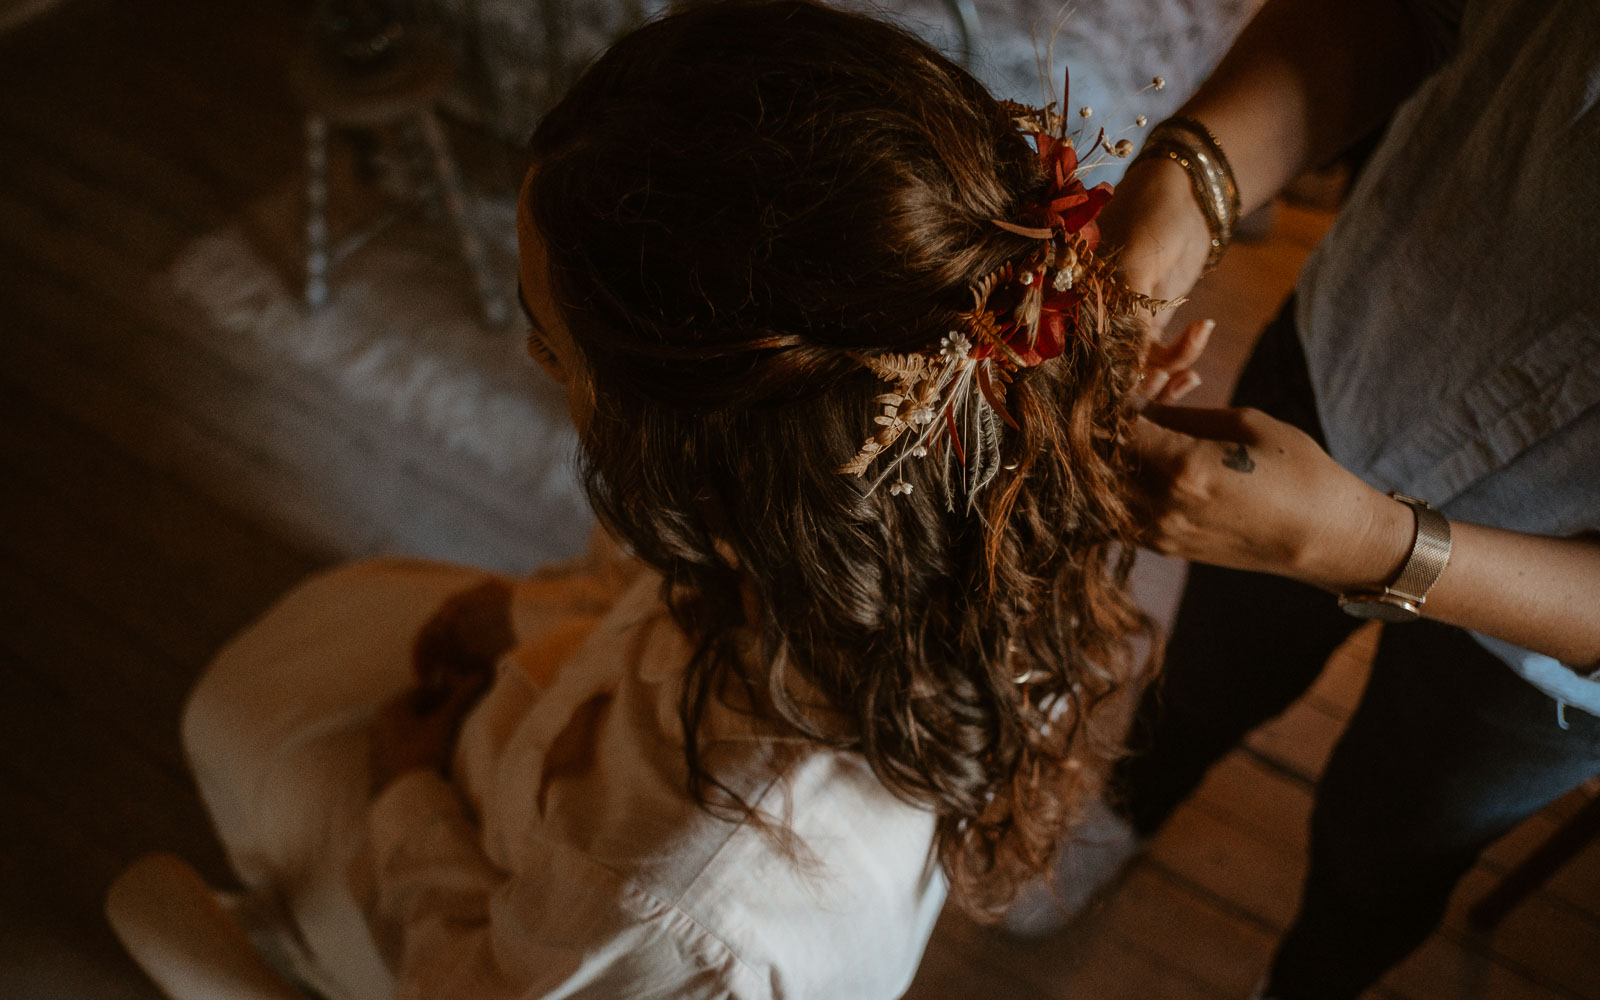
(953, 397)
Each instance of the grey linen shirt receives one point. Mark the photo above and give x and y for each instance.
(1451, 319)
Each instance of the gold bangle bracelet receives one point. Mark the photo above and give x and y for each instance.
(1192, 147)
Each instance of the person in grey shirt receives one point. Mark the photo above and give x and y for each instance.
(1444, 344)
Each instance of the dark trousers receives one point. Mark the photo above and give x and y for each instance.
(1447, 750)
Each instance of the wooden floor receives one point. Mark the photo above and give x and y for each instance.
(127, 129)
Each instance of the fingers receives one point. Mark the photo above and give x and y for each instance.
(1176, 387)
(1168, 368)
(1145, 435)
(1155, 382)
(1213, 424)
(1168, 388)
(1162, 456)
(1184, 349)
(1156, 445)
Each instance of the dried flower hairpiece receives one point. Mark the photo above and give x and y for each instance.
(1023, 314)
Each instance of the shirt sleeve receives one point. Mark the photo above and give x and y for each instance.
(425, 879)
(450, 923)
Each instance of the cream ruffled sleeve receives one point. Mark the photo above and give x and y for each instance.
(452, 925)
(466, 896)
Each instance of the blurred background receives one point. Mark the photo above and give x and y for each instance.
(256, 267)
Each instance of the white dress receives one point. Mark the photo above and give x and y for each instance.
(563, 858)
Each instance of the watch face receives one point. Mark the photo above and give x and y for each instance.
(1377, 607)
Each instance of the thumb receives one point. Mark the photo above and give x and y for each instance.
(1184, 349)
(1157, 446)
(1211, 424)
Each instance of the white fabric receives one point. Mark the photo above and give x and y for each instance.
(564, 858)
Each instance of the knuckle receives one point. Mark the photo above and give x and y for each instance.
(1188, 473)
(1251, 418)
(1165, 533)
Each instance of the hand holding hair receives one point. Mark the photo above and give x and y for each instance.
(1168, 374)
(1240, 489)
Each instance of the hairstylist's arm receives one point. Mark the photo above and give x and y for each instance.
(1238, 488)
(1303, 81)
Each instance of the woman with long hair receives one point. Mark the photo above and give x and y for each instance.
(853, 390)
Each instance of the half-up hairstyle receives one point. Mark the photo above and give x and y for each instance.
(739, 200)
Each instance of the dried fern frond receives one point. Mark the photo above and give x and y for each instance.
(985, 286)
(1120, 300)
(1027, 118)
(898, 368)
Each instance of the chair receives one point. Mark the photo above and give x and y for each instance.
(399, 96)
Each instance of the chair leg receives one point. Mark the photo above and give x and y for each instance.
(369, 155)
(316, 287)
(491, 301)
(420, 171)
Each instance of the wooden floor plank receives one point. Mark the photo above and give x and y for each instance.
(54, 943)
(1186, 931)
(97, 152)
(1576, 884)
(119, 798)
(1444, 968)
(1094, 959)
(1259, 879)
(1541, 939)
(1260, 872)
(1339, 687)
(1299, 741)
(1249, 795)
(102, 666)
(175, 614)
(78, 199)
(79, 470)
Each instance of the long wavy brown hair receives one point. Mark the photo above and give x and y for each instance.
(737, 199)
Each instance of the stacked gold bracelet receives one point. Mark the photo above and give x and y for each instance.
(1191, 146)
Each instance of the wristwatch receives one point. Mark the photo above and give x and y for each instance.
(1402, 600)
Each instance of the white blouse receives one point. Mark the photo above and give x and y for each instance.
(563, 858)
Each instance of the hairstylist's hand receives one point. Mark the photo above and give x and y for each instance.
(1168, 373)
(1240, 489)
(418, 729)
(1154, 230)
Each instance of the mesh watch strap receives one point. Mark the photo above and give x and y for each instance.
(1430, 551)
